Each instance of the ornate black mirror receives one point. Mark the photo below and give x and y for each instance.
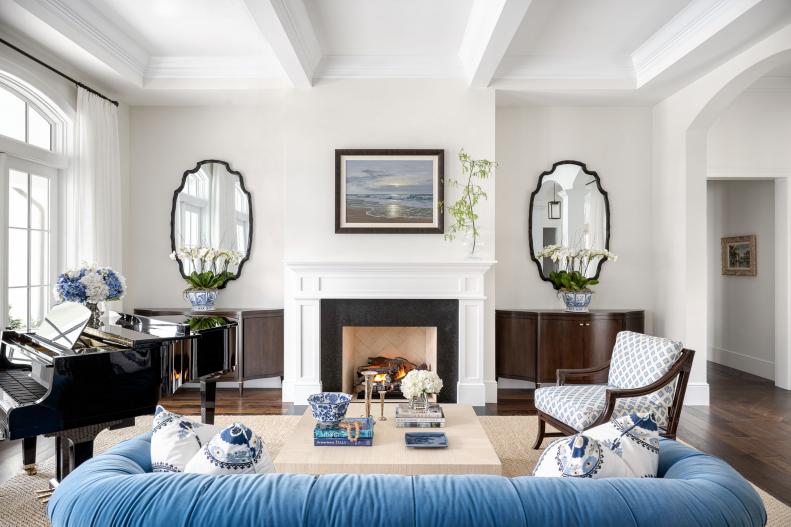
(212, 211)
(570, 208)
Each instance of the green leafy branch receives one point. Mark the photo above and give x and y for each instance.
(463, 210)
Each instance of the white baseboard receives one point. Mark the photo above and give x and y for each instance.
(697, 394)
(746, 363)
(491, 391)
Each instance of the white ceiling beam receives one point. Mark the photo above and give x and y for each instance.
(287, 27)
(87, 28)
(698, 22)
(491, 26)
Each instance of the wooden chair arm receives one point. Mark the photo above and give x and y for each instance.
(579, 372)
(683, 364)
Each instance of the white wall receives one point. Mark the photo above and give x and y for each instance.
(614, 142)
(741, 308)
(166, 141)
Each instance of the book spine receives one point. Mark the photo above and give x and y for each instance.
(420, 419)
(409, 424)
(339, 434)
(334, 441)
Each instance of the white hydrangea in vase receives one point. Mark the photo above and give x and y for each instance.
(417, 385)
(92, 286)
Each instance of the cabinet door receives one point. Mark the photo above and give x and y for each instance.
(262, 345)
(601, 339)
(515, 345)
(562, 345)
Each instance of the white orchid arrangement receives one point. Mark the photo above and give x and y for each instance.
(210, 266)
(419, 382)
(573, 265)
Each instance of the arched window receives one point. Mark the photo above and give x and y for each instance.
(32, 157)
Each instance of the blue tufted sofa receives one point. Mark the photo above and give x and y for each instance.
(117, 488)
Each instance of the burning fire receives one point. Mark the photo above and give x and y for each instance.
(382, 377)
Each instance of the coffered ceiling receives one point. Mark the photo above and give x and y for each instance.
(146, 51)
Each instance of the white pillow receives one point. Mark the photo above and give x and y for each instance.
(175, 440)
(624, 447)
(234, 450)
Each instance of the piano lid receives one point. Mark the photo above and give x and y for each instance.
(64, 324)
(135, 329)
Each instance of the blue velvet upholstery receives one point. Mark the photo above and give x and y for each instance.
(118, 488)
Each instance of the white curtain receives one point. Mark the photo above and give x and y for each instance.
(93, 190)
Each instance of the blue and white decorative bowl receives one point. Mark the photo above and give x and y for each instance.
(576, 301)
(329, 408)
(201, 299)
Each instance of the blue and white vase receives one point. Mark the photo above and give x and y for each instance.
(201, 299)
(576, 301)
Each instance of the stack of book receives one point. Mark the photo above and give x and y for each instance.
(355, 431)
(431, 417)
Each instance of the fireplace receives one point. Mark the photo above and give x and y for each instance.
(389, 351)
(321, 297)
(390, 337)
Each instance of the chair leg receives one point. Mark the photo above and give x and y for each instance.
(540, 436)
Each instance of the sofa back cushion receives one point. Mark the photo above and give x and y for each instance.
(638, 360)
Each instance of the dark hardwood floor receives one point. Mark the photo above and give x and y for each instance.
(748, 423)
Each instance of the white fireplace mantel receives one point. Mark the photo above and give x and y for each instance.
(308, 282)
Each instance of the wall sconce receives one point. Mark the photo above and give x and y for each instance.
(554, 207)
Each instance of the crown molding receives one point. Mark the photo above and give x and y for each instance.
(233, 67)
(389, 66)
(92, 31)
(686, 31)
(565, 67)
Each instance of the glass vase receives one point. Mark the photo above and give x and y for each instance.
(97, 310)
(419, 402)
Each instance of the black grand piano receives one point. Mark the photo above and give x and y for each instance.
(71, 381)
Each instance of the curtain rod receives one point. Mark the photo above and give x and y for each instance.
(78, 83)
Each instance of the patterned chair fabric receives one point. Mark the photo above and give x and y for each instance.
(637, 360)
(579, 405)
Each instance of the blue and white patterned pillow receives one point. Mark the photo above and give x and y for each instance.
(175, 440)
(234, 450)
(624, 447)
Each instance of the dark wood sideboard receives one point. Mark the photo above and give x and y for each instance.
(259, 340)
(532, 345)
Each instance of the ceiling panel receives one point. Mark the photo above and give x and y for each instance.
(389, 27)
(208, 28)
(585, 27)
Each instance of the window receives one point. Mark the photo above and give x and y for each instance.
(29, 242)
(23, 122)
(32, 135)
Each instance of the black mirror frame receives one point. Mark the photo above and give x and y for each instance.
(250, 210)
(530, 213)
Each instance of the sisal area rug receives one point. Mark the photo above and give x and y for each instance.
(511, 436)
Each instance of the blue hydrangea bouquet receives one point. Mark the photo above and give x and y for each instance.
(90, 285)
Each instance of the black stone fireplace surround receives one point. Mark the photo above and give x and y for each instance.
(442, 314)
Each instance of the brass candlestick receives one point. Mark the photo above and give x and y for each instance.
(369, 387)
(382, 394)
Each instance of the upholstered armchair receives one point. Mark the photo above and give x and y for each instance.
(645, 374)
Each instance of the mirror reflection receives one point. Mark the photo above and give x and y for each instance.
(568, 208)
(212, 210)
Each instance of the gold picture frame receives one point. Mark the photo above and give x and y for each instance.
(739, 256)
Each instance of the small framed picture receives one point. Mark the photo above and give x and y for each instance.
(389, 191)
(739, 256)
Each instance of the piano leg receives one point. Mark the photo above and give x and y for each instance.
(208, 396)
(63, 457)
(29, 455)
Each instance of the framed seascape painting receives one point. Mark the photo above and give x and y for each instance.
(739, 256)
(389, 191)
